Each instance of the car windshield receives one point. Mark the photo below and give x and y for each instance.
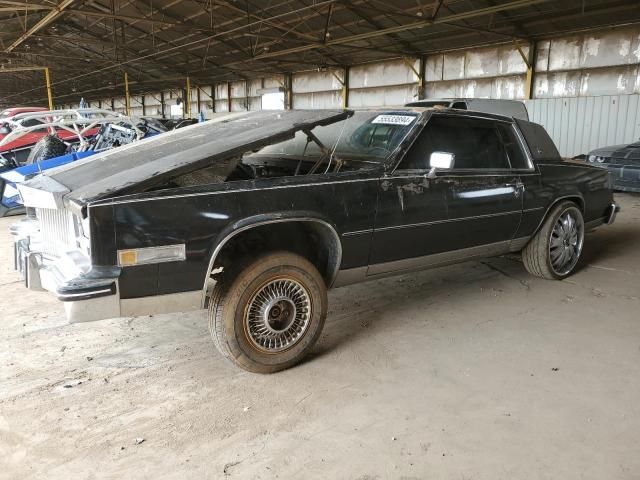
(366, 136)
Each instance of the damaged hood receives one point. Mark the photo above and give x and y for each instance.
(133, 167)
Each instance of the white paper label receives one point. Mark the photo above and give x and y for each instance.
(403, 120)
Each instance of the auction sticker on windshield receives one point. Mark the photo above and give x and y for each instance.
(403, 120)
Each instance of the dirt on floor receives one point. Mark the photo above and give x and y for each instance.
(475, 371)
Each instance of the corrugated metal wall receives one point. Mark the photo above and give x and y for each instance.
(580, 124)
(586, 89)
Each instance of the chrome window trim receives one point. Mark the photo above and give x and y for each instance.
(525, 149)
(475, 171)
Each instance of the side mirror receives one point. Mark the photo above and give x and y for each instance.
(442, 160)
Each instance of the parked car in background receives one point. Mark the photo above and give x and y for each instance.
(11, 112)
(18, 149)
(622, 162)
(255, 217)
(508, 108)
(64, 136)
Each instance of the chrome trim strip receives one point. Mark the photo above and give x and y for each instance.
(87, 295)
(449, 220)
(561, 164)
(359, 274)
(524, 146)
(222, 243)
(439, 259)
(115, 200)
(358, 232)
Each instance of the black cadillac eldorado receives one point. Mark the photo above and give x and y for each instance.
(255, 216)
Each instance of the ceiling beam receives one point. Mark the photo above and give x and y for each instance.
(46, 20)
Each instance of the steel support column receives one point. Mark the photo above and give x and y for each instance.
(127, 98)
(288, 91)
(47, 79)
(187, 109)
(422, 85)
(529, 61)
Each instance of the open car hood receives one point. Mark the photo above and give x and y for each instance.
(133, 167)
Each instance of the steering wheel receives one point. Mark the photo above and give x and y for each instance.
(384, 150)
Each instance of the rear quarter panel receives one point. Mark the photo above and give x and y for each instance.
(564, 180)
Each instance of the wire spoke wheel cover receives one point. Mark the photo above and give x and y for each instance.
(278, 315)
(566, 240)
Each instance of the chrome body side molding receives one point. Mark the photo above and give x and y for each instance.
(381, 270)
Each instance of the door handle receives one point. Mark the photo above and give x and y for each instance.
(518, 188)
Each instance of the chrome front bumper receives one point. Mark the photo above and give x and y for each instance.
(88, 292)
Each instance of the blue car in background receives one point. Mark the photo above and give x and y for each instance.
(11, 203)
(94, 130)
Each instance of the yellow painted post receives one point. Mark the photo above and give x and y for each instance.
(127, 99)
(529, 61)
(345, 88)
(47, 79)
(188, 99)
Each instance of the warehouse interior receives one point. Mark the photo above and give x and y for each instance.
(473, 371)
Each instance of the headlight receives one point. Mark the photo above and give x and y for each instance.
(600, 159)
(592, 158)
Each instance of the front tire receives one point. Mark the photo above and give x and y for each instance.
(554, 251)
(268, 315)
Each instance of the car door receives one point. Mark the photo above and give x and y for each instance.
(410, 214)
(484, 194)
(435, 217)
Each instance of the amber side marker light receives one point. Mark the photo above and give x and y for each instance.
(145, 256)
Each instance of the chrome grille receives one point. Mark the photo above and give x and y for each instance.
(56, 231)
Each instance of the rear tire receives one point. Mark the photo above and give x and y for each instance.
(46, 148)
(554, 251)
(267, 316)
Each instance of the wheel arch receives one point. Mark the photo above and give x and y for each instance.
(577, 198)
(302, 225)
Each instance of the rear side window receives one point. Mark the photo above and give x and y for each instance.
(476, 144)
(516, 155)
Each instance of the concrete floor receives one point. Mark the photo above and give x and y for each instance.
(476, 371)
